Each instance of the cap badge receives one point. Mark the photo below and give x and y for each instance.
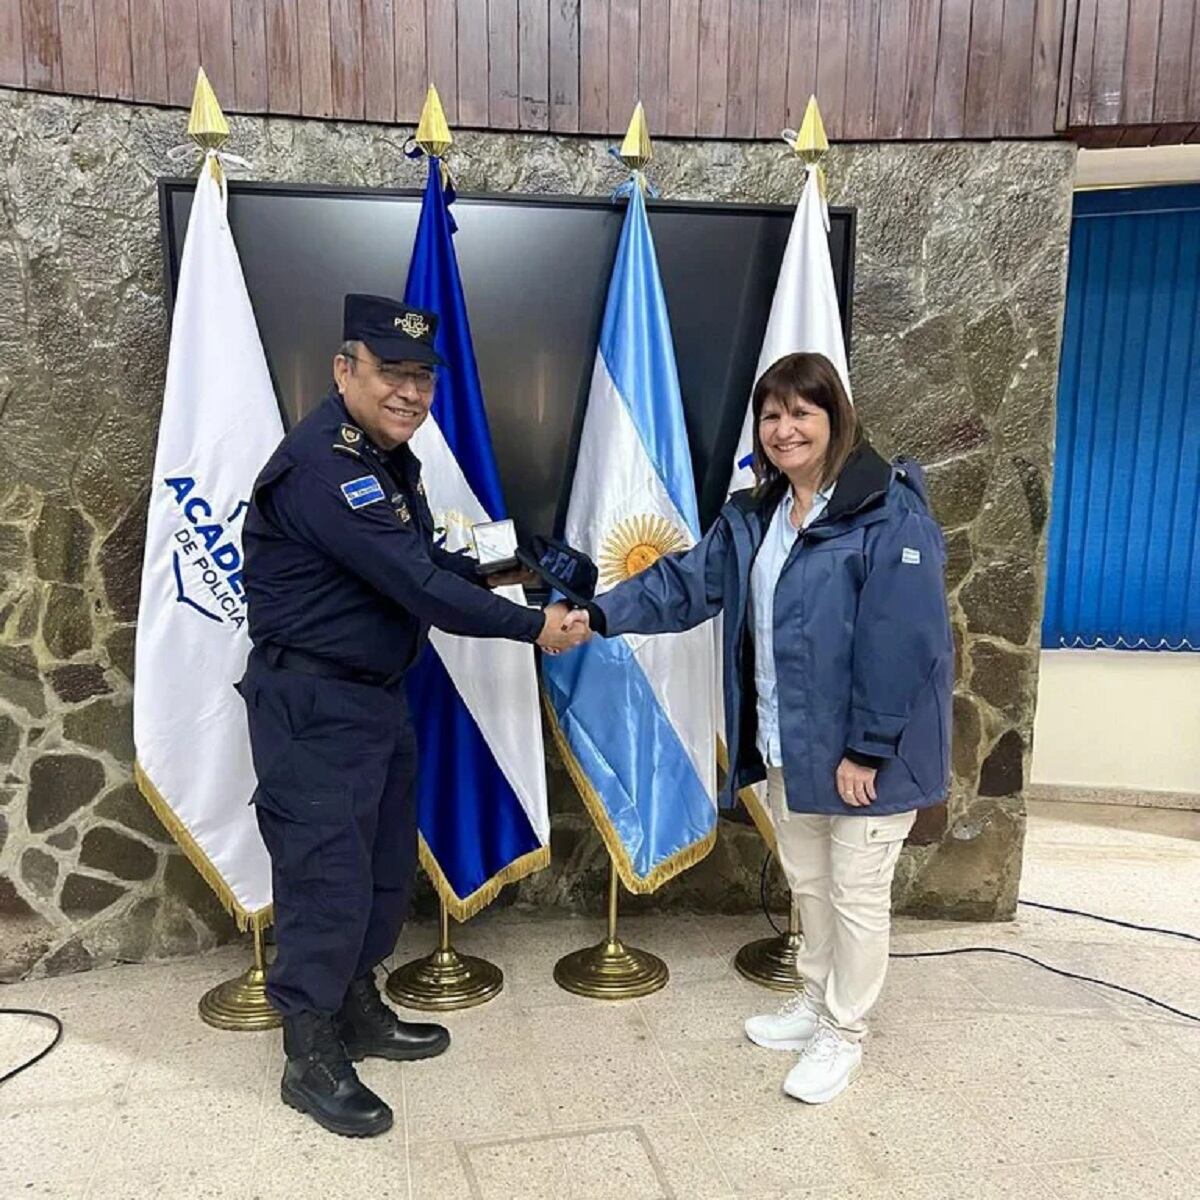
(412, 324)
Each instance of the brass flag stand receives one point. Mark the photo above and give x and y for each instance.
(241, 1004)
(611, 970)
(772, 961)
(445, 980)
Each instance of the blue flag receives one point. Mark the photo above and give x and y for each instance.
(483, 819)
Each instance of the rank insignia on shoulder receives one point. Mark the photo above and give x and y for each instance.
(403, 513)
(420, 487)
(361, 492)
(350, 435)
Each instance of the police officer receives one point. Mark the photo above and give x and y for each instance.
(343, 580)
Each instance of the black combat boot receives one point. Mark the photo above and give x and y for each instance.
(368, 1028)
(320, 1081)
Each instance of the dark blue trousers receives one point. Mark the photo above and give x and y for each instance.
(336, 763)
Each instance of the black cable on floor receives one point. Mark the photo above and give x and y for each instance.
(37, 1058)
(1075, 912)
(1037, 962)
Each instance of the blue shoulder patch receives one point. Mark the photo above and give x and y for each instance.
(361, 492)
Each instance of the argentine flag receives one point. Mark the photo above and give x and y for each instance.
(483, 818)
(635, 716)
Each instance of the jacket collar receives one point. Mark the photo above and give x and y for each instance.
(864, 480)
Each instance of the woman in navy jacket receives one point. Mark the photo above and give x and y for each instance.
(838, 676)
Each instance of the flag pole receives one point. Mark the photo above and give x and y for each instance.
(443, 980)
(239, 1004)
(611, 970)
(772, 961)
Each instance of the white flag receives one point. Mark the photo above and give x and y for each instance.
(804, 317)
(804, 312)
(220, 423)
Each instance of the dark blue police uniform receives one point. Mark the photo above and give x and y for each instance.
(343, 580)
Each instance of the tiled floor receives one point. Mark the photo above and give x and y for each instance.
(985, 1079)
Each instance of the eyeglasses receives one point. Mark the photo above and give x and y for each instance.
(422, 378)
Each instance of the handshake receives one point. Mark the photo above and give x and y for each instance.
(567, 571)
(563, 628)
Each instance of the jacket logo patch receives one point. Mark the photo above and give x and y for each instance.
(909, 555)
(361, 492)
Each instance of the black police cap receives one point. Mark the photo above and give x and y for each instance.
(392, 331)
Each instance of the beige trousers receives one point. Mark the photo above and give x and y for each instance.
(840, 871)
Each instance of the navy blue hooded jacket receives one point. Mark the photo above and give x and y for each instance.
(863, 650)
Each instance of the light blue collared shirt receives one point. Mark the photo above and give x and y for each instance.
(764, 577)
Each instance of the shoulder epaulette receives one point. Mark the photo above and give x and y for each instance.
(349, 441)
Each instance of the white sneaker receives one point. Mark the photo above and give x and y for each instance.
(788, 1029)
(828, 1065)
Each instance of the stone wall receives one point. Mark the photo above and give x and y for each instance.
(960, 283)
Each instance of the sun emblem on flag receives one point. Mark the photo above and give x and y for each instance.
(636, 543)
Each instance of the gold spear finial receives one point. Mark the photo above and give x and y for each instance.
(635, 149)
(207, 126)
(811, 143)
(433, 134)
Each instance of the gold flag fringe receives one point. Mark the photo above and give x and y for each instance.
(639, 885)
(256, 921)
(463, 908)
(749, 797)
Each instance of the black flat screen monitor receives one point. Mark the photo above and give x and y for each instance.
(535, 270)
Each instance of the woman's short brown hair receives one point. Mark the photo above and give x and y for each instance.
(815, 378)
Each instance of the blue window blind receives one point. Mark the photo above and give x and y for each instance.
(1123, 562)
